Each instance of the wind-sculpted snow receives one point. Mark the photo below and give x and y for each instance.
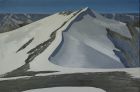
(85, 46)
(41, 47)
(83, 43)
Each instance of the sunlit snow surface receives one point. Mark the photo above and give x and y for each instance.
(10, 42)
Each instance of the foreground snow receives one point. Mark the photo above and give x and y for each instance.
(67, 89)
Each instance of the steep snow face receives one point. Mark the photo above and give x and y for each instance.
(116, 26)
(85, 44)
(12, 41)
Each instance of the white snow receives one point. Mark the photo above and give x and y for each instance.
(42, 59)
(114, 25)
(87, 47)
(67, 89)
(10, 42)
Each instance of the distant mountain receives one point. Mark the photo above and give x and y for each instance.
(131, 18)
(10, 22)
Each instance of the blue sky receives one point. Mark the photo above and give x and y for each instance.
(50, 6)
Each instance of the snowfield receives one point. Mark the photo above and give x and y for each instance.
(68, 89)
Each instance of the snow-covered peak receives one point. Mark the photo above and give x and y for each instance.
(86, 9)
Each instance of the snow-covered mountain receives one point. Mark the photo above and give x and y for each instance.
(67, 43)
(70, 39)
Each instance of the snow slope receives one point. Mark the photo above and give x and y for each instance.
(80, 43)
(81, 48)
(10, 42)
